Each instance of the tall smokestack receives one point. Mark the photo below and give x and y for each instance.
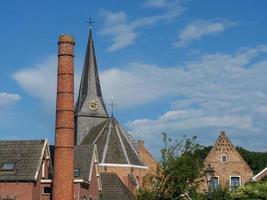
(64, 139)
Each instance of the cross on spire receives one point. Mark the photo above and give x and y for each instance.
(90, 22)
(112, 104)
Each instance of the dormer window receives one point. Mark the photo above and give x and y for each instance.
(224, 158)
(76, 172)
(8, 166)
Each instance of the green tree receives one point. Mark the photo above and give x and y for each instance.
(251, 191)
(178, 171)
(256, 160)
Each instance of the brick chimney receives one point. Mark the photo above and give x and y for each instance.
(64, 139)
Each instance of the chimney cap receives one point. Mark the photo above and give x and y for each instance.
(66, 39)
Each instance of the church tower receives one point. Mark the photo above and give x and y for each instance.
(116, 152)
(90, 108)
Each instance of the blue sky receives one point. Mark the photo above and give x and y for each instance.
(182, 67)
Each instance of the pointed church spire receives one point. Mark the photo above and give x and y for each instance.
(90, 101)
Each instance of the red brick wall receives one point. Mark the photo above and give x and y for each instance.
(64, 141)
(92, 190)
(234, 166)
(123, 172)
(23, 191)
(147, 158)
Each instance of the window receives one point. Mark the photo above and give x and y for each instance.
(76, 172)
(224, 158)
(215, 182)
(46, 190)
(8, 166)
(235, 181)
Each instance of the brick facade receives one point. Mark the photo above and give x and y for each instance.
(147, 157)
(227, 163)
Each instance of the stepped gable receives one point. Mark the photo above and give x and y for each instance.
(227, 164)
(114, 189)
(112, 143)
(27, 158)
(222, 146)
(223, 143)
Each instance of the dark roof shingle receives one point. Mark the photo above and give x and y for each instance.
(83, 156)
(26, 155)
(113, 145)
(114, 189)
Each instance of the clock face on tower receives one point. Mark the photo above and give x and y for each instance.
(93, 105)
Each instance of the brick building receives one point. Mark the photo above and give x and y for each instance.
(231, 170)
(120, 157)
(25, 169)
(93, 157)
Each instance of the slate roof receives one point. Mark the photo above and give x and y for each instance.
(83, 156)
(27, 156)
(90, 88)
(113, 145)
(114, 189)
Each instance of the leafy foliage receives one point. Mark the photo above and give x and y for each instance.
(251, 191)
(179, 169)
(256, 160)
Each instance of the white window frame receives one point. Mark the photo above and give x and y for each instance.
(222, 158)
(240, 180)
(218, 180)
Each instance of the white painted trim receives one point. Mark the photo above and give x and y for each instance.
(43, 169)
(40, 160)
(46, 181)
(75, 181)
(93, 162)
(240, 180)
(227, 159)
(122, 165)
(106, 144)
(122, 145)
(80, 181)
(260, 173)
(122, 130)
(101, 132)
(218, 179)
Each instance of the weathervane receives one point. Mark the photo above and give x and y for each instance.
(90, 22)
(112, 104)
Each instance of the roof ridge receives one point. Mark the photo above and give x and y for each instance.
(121, 142)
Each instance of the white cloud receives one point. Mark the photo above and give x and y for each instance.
(143, 81)
(7, 100)
(214, 92)
(223, 80)
(201, 28)
(124, 32)
(40, 80)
